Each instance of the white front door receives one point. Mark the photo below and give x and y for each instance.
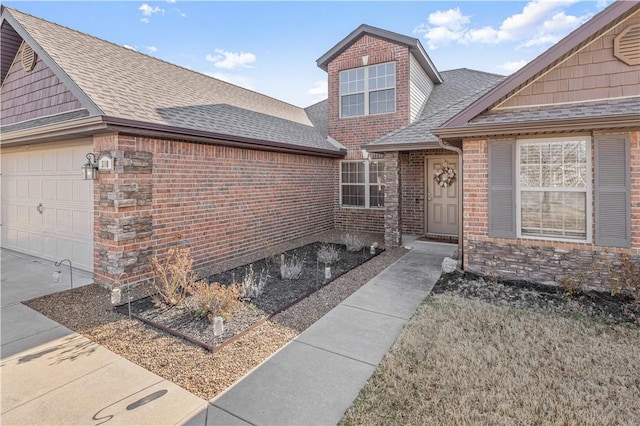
(47, 208)
(442, 201)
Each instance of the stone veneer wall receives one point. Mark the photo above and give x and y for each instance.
(529, 259)
(222, 202)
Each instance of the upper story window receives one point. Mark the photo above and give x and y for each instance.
(368, 90)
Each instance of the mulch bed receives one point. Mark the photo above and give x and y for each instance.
(278, 295)
(553, 299)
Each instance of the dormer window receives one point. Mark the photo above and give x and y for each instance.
(368, 90)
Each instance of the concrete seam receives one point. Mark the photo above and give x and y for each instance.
(230, 413)
(336, 353)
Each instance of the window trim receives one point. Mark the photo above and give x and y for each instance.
(589, 190)
(366, 91)
(367, 186)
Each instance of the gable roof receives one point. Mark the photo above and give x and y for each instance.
(561, 50)
(460, 87)
(415, 47)
(127, 88)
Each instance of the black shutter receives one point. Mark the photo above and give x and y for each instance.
(502, 189)
(612, 191)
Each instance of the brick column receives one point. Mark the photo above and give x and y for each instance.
(123, 213)
(392, 196)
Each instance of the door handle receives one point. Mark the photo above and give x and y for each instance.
(39, 208)
(429, 197)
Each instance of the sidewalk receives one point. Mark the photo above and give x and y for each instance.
(53, 376)
(315, 378)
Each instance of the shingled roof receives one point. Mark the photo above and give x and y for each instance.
(459, 89)
(126, 87)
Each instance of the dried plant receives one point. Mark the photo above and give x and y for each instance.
(352, 242)
(173, 276)
(252, 286)
(212, 300)
(291, 269)
(328, 254)
(625, 278)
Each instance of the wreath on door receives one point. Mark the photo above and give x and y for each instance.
(445, 176)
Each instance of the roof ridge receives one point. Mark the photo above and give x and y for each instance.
(475, 71)
(10, 9)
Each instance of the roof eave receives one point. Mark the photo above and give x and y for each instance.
(543, 126)
(563, 47)
(66, 130)
(401, 147)
(414, 46)
(193, 135)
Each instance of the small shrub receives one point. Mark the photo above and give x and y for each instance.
(173, 277)
(352, 242)
(328, 254)
(212, 300)
(252, 286)
(625, 279)
(291, 269)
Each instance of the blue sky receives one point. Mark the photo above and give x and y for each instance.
(271, 47)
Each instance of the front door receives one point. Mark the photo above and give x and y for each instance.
(442, 195)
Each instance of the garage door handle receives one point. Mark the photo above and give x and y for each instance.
(39, 208)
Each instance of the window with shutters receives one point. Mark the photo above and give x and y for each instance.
(553, 188)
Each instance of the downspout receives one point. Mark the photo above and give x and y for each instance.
(445, 145)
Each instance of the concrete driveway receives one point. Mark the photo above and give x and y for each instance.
(51, 375)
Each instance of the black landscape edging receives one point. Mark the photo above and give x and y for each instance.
(253, 326)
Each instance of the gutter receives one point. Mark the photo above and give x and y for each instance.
(551, 126)
(104, 124)
(162, 130)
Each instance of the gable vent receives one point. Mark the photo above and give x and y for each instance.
(28, 58)
(626, 45)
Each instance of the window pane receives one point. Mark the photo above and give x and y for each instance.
(382, 101)
(353, 105)
(560, 164)
(555, 214)
(382, 76)
(353, 172)
(376, 183)
(353, 195)
(351, 81)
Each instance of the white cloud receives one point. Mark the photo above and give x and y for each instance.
(171, 1)
(130, 47)
(541, 22)
(238, 80)
(152, 49)
(231, 60)
(148, 11)
(513, 66)
(320, 88)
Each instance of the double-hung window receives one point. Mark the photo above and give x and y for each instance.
(368, 90)
(362, 184)
(554, 188)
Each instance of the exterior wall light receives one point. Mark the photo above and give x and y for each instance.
(365, 154)
(90, 169)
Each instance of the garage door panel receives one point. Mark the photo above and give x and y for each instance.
(64, 190)
(35, 162)
(82, 192)
(35, 242)
(82, 222)
(49, 190)
(50, 177)
(35, 189)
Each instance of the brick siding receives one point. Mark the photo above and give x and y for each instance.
(222, 202)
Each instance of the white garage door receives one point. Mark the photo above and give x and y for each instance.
(47, 208)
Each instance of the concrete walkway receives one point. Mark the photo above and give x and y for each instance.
(315, 378)
(53, 376)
